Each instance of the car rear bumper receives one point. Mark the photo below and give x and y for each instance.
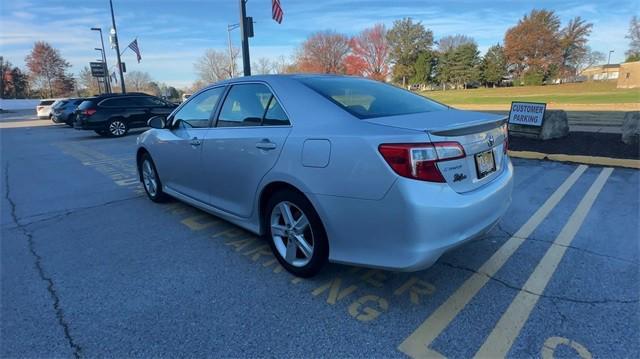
(414, 224)
(82, 124)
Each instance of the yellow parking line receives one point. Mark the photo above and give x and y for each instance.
(417, 344)
(589, 160)
(510, 324)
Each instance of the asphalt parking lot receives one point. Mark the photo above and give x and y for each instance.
(91, 268)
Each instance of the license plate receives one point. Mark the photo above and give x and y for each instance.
(485, 163)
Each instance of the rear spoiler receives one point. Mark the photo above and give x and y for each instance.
(469, 128)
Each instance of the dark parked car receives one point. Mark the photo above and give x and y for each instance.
(64, 111)
(114, 114)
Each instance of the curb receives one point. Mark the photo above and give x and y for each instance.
(589, 160)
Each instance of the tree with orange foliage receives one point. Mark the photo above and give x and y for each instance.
(47, 69)
(323, 52)
(369, 54)
(533, 46)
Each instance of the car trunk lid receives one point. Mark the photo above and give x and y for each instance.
(483, 137)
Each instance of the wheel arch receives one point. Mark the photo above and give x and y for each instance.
(271, 188)
(139, 153)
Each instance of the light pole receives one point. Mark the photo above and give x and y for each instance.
(231, 62)
(610, 52)
(104, 60)
(114, 33)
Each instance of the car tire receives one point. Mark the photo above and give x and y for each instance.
(151, 180)
(300, 245)
(117, 127)
(70, 120)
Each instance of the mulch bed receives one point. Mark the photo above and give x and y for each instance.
(579, 143)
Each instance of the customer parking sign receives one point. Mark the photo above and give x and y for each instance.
(527, 113)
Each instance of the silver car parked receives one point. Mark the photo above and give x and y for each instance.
(332, 168)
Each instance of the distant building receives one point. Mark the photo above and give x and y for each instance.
(601, 72)
(629, 76)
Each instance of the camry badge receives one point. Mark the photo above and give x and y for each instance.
(490, 141)
(459, 177)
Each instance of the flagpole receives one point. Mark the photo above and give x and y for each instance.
(115, 40)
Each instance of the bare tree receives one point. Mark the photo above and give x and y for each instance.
(633, 54)
(282, 66)
(452, 42)
(573, 41)
(587, 59)
(138, 81)
(264, 66)
(217, 65)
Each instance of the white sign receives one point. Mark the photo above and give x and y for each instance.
(527, 113)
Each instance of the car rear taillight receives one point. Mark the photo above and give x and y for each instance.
(505, 145)
(418, 160)
(39, 107)
(89, 112)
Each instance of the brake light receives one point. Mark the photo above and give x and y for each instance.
(505, 145)
(89, 112)
(40, 108)
(418, 160)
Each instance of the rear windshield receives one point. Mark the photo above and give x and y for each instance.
(368, 99)
(46, 102)
(85, 105)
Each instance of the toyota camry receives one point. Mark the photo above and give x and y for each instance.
(333, 168)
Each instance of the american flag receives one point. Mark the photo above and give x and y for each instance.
(134, 46)
(276, 11)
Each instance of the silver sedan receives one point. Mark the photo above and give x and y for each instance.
(333, 168)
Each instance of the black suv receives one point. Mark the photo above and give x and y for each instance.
(114, 114)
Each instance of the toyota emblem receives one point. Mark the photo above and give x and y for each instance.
(490, 141)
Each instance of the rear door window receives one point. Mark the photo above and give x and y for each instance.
(251, 105)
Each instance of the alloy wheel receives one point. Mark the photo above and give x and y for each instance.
(117, 128)
(149, 178)
(291, 234)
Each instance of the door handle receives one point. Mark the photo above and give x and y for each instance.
(266, 145)
(195, 141)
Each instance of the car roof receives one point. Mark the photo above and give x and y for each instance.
(113, 95)
(267, 78)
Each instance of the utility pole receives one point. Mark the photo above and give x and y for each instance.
(114, 33)
(244, 29)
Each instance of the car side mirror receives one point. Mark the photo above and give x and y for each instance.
(158, 122)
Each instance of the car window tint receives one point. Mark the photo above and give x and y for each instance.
(275, 115)
(244, 106)
(368, 98)
(85, 105)
(196, 112)
(151, 101)
(46, 103)
(119, 102)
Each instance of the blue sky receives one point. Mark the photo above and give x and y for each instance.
(172, 34)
